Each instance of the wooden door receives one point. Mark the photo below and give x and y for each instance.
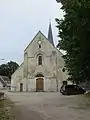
(39, 84)
(21, 87)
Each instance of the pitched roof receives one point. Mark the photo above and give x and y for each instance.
(50, 35)
(46, 39)
(4, 80)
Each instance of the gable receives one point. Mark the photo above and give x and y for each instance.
(46, 46)
(32, 41)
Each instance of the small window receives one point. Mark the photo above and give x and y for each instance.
(39, 46)
(39, 60)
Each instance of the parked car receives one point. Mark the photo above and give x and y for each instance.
(72, 90)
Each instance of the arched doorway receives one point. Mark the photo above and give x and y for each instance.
(39, 83)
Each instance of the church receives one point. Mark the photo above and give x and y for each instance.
(42, 68)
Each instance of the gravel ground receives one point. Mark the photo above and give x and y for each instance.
(50, 106)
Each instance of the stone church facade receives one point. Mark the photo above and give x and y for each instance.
(42, 66)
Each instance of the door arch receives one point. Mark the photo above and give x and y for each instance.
(39, 75)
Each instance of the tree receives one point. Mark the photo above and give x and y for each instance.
(74, 31)
(8, 69)
(3, 70)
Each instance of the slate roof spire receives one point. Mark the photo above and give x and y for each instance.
(50, 35)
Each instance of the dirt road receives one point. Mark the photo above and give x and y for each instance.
(50, 106)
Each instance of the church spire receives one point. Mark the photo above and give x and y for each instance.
(50, 36)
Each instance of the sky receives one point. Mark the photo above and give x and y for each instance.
(20, 20)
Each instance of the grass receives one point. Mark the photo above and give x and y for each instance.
(83, 101)
(5, 110)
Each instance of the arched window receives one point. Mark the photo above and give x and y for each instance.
(39, 60)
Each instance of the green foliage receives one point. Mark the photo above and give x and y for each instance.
(8, 69)
(74, 31)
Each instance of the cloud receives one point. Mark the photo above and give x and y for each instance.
(20, 20)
